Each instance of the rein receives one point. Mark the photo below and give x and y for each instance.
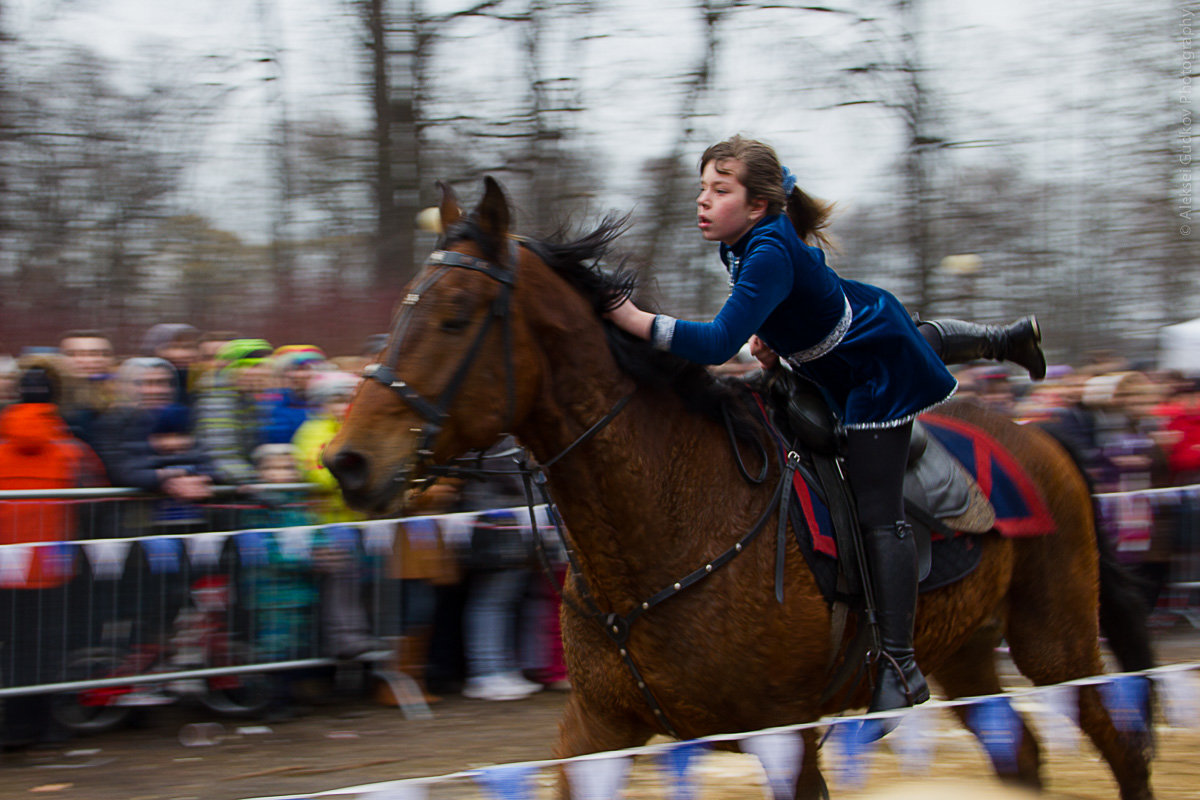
(435, 413)
(615, 626)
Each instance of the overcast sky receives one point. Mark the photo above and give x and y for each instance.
(1016, 66)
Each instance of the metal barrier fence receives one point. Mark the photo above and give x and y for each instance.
(153, 596)
(152, 599)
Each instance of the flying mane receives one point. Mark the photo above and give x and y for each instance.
(577, 260)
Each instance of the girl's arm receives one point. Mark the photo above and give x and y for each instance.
(632, 319)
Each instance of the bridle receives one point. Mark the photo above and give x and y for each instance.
(434, 413)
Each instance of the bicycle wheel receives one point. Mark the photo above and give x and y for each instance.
(241, 694)
(91, 710)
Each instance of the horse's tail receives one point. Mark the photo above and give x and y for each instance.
(1123, 610)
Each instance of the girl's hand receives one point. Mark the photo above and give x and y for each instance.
(765, 355)
(632, 319)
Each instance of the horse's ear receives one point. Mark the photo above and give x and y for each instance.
(448, 207)
(493, 214)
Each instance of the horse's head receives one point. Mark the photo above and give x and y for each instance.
(455, 373)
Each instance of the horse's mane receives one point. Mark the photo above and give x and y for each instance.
(578, 261)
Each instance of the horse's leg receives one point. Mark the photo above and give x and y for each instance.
(970, 672)
(810, 785)
(1054, 636)
(582, 730)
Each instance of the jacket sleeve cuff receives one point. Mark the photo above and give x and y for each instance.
(662, 331)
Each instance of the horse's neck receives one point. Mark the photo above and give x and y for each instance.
(630, 516)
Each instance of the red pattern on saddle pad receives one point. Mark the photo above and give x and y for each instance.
(1020, 508)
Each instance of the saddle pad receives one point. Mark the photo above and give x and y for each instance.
(953, 559)
(1020, 509)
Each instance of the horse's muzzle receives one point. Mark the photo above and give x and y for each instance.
(352, 470)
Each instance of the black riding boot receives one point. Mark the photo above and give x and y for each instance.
(892, 555)
(1018, 342)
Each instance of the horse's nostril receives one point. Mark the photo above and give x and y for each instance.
(350, 469)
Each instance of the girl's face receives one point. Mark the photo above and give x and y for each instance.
(724, 212)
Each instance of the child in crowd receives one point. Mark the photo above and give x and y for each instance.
(276, 573)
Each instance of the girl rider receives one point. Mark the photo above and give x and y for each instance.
(856, 340)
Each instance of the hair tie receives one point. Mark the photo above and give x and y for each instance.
(789, 181)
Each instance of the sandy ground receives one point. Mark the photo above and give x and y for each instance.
(348, 741)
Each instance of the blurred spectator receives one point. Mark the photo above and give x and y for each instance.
(228, 421)
(330, 393)
(37, 451)
(994, 390)
(343, 612)
(373, 346)
(88, 358)
(499, 559)
(289, 404)
(8, 380)
(368, 354)
(208, 345)
(145, 441)
(280, 588)
(88, 354)
(179, 344)
(1072, 421)
(1184, 427)
(1128, 461)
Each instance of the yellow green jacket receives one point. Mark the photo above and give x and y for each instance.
(310, 441)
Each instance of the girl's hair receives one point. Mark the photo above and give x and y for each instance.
(762, 175)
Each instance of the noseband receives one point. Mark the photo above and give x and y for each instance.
(435, 413)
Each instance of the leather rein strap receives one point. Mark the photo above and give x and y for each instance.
(616, 626)
(434, 413)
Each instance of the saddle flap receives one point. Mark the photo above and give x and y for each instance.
(801, 412)
(937, 483)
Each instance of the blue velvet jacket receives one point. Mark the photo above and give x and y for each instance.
(855, 340)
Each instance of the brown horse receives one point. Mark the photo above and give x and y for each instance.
(504, 335)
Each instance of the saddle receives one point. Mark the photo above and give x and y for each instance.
(941, 499)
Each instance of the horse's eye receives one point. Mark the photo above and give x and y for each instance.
(455, 324)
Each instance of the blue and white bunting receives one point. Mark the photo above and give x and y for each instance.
(342, 537)
(1127, 698)
(853, 740)
(379, 536)
(1177, 690)
(456, 528)
(1055, 711)
(252, 547)
(421, 533)
(107, 557)
(399, 790)
(999, 729)
(14, 564)
(597, 778)
(914, 739)
(676, 762)
(57, 559)
(508, 781)
(204, 549)
(295, 543)
(163, 554)
(780, 754)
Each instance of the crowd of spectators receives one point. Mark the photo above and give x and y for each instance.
(194, 419)
(1131, 430)
(225, 432)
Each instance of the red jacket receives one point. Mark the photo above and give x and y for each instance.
(38, 452)
(1184, 458)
